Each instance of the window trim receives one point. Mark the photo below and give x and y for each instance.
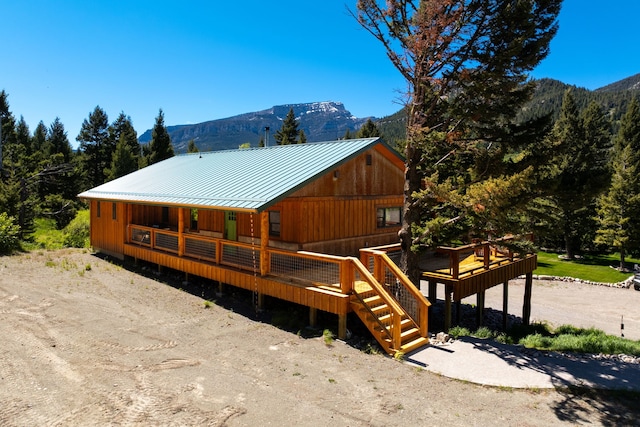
(275, 224)
(383, 221)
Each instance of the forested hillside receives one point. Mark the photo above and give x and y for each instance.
(614, 99)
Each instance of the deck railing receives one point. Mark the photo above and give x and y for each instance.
(486, 255)
(304, 267)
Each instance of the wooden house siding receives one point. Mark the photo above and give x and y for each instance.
(108, 234)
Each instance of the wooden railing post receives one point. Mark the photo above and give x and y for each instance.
(180, 232)
(347, 276)
(397, 331)
(265, 256)
(486, 251)
(454, 261)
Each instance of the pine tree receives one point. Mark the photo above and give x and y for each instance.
(618, 222)
(583, 169)
(192, 147)
(302, 137)
(96, 146)
(368, 130)
(39, 139)
(160, 147)
(288, 133)
(122, 128)
(123, 161)
(58, 141)
(466, 64)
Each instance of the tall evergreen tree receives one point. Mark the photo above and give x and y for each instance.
(123, 161)
(122, 127)
(192, 147)
(583, 173)
(39, 139)
(160, 147)
(96, 146)
(466, 63)
(58, 140)
(302, 137)
(288, 132)
(368, 130)
(618, 221)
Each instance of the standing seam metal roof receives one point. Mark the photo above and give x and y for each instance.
(246, 179)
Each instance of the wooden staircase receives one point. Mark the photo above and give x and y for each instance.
(383, 316)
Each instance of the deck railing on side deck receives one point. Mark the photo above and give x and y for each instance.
(486, 254)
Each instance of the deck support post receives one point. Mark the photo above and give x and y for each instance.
(433, 291)
(342, 326)
(448, 291)
(505, 305)
(313, 317)
(480, 308)
(259, 301)
(526, 307)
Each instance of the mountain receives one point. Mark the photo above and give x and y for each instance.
(320, 121)
(547, 99)
(630, 83)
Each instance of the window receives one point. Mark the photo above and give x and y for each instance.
(389, 217)
(369, 160)
(274, 223)
(194, 219)
(98, 209)
(165, 214)
(114, 211)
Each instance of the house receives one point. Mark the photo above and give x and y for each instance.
(292, 222)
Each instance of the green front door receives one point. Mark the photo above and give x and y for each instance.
(230, 226)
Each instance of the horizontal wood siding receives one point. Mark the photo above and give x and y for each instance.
(322, 299)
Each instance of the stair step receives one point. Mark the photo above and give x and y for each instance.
(387, 319)
(373, 300)
(414, 345)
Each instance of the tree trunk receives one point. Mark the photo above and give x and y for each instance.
(409, 261)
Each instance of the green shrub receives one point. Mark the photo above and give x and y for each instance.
(9, 234)
(483, 332)
(76, 234)
(459, 331)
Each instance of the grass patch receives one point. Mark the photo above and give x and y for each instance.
(579, 340)
(595, 268)
(45, 236)
(565, 338)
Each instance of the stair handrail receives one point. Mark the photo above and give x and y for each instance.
(423, 302)
(396, 309)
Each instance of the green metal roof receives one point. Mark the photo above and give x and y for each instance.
(246, 179)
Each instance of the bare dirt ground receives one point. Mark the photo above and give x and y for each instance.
(86, 341)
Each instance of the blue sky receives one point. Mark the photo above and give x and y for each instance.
(204, 60)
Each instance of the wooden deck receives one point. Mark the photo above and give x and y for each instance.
(471, 270)
(385, 300)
